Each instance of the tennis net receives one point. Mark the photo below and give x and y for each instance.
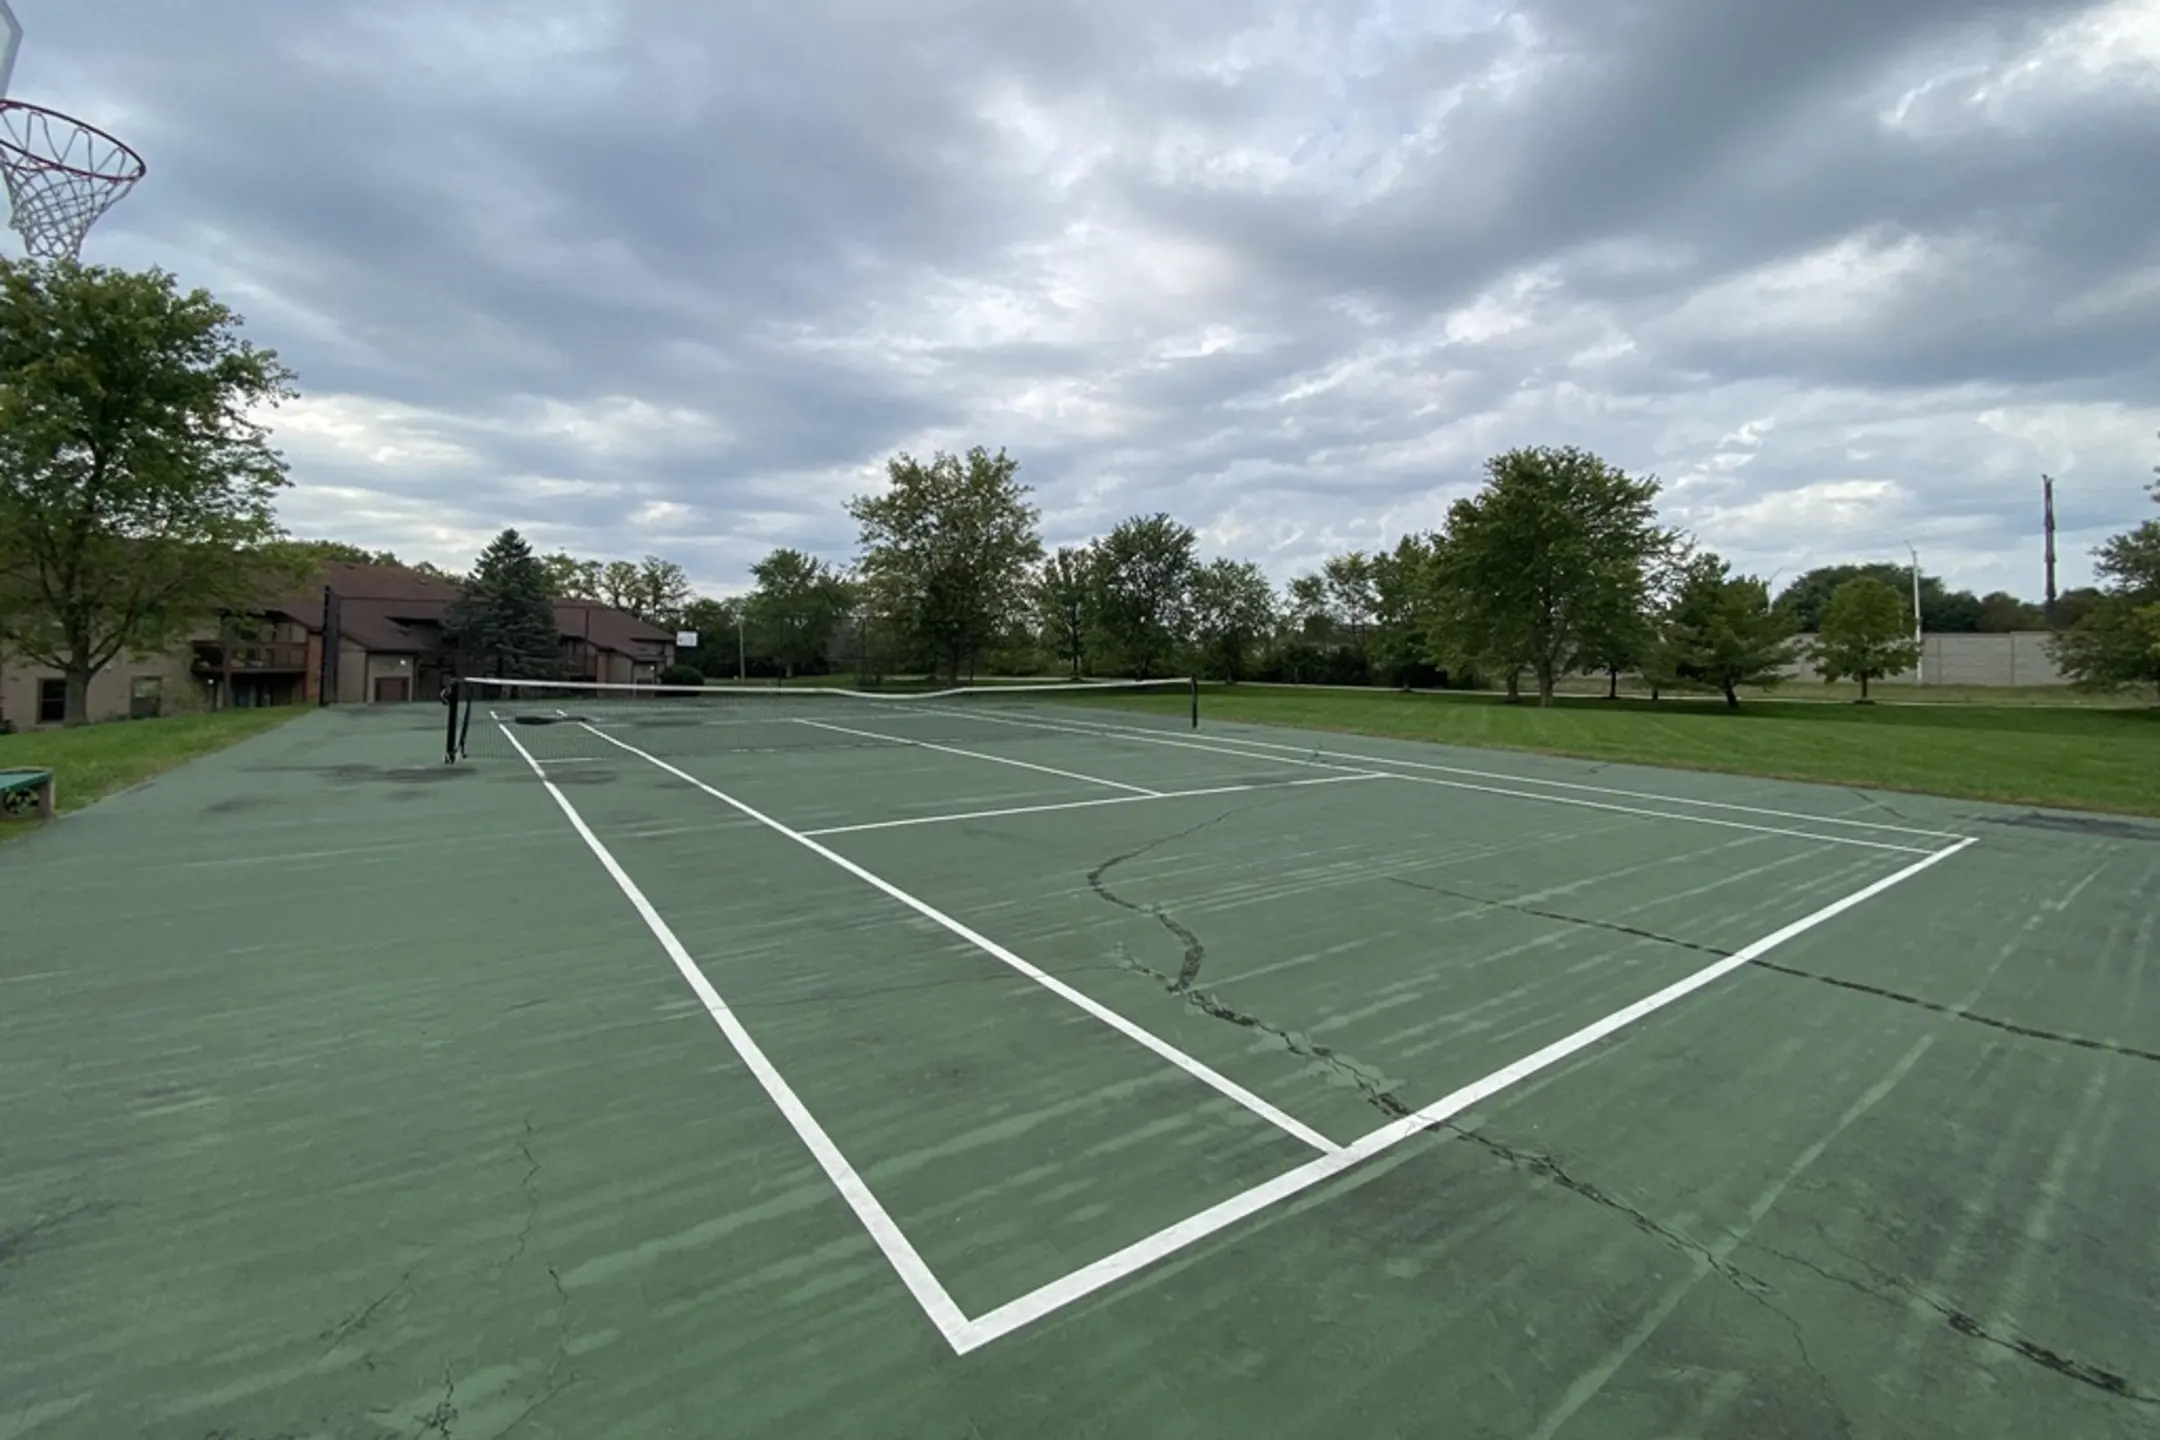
(554, 719)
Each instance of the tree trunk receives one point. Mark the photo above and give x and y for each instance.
(1612, 682)
(1863, 685)
(1732, 697)
(1547, 683)
(1514, 686)
(78, 693)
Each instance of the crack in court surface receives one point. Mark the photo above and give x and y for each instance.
(1195, 952)
(1897, 1290)
(1365, 1080)
(2011, 1027)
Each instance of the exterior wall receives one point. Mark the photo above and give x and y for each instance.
(352, 674)
(2018, 658)
(111, 689)
(392, 668)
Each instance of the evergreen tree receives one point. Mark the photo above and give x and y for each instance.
(503, 622)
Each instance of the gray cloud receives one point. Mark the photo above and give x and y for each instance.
(661, 276)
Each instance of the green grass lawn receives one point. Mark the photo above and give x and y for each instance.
(92, 761)
(2090, 759)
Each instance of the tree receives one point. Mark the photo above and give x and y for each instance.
(796, 608)
(2115, 646)
(1065, 605)
(570, 578)
(503, 620)
(1722, 632)
(946, 551)
(1351, 584)
(617, 582)
(1556, 543)
(661, 592)
(2115, 642)
(1402, 609)
(1866, 634)
(136, 477)
(1233, 610)
(324, 552)
(1941, 610)
(2002, 612)
(718, 650)
(1144, 572)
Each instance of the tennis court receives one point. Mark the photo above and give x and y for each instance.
(1053, 1064)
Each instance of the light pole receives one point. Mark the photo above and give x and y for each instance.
(1919, 635)
(742, 661)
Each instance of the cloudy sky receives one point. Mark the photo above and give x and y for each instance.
(680, 276)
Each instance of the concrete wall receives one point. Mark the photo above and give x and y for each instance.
(2018, 658)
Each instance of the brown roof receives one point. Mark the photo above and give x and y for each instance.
(608, 628)
(394, 610)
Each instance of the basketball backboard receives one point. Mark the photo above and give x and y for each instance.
(10, 42)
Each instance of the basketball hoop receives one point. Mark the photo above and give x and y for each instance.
(61, 176)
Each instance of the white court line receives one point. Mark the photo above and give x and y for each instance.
(1141, 736)
(1220, 1083)
(1140, 790)
(1106, 728)
(1111, 1268)
(1607, 790)
(884, 1231)
(1088, 804)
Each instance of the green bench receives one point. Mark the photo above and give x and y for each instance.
(22, 791)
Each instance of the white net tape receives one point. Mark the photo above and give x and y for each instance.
(61, 176)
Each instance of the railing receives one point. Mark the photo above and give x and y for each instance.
(251, 655)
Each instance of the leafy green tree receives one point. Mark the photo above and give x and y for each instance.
(1721, 632)
(663, 589)
(1557, 541)
(1942, 610)
(796, 609)
(1309, 610)
(1144, 571)
(317, 553)
(2114, 646)
(1351, 583)
(1403, 581)
(503, 620)
(136, 475)
(2001, 612)
(2115, 642)
(947, 551)
(1233, 609)
(1064, 595)
(570, 578)
(713, 621)
(1866, 634)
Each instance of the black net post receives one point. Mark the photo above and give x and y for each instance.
(332, 642)
(1195, 683)
(450, 692)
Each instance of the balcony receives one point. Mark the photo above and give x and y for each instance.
(214, 657)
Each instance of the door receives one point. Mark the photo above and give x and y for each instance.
(392, 689)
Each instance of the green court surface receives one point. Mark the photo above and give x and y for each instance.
(1096, 1079)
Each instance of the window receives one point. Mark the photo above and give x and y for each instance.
(51, 701)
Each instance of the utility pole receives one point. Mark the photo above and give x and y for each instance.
(742, 654)
(1918, 634)
(2047, 520)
